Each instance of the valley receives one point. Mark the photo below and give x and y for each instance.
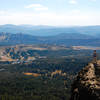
(36, 71)
(28, 53)
(43, 66)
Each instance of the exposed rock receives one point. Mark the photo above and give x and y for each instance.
(87, 84)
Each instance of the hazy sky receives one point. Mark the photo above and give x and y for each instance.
(50, 12)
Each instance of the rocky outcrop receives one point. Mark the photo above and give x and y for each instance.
(87, 84)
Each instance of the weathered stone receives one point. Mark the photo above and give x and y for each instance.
(87, 84)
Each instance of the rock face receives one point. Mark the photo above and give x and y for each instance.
(87, 84)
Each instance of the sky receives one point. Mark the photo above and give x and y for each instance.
(50, 12)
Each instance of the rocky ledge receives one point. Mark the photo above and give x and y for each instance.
(87, 84)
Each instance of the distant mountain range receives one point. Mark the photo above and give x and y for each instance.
(72, 39)
(49, 30)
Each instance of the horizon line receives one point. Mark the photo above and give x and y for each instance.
(49, 25)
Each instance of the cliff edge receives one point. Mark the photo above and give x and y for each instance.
(87, 84)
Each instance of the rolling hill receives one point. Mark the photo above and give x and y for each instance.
(43, 30)
(73, 39)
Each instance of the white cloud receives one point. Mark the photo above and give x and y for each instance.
(94, 0)
(2, 13)
(76, 11)
(37, 7)
(41, 8)
(50, 18)
(72, 1)
(33, 6)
